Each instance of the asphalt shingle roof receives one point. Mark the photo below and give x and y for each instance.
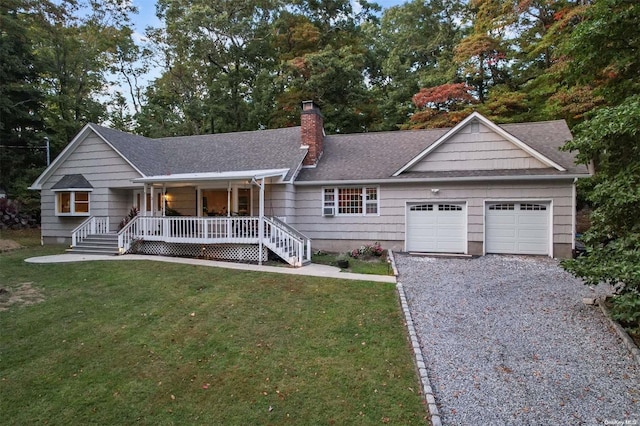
(72, 182)
(360, 156)
(371, 156)
(223, 152)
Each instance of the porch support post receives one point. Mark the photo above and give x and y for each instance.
(261, 222)
(144, 200)
(164, 199)
(144, 209)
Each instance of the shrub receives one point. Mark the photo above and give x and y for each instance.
(128, 218)
(367, 251)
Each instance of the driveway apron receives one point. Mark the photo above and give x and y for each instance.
(507, 340)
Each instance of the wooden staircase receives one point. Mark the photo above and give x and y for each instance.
(286, 242)
(99, 244)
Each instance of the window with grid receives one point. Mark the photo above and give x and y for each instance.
(350, 201)
(422, 208)
(501, 207)
(72, 203)
(449, 208)
(537, 207)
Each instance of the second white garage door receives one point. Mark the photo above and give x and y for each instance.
(517, 228)
(436, 227)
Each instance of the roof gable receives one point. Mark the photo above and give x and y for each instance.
(460, 157)
(82, 135)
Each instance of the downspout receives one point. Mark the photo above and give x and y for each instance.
(573, 215)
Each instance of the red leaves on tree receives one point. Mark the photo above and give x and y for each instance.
(444, 97)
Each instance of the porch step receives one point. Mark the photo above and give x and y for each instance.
(100, 244)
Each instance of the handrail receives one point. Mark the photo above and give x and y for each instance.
(289, 228)
(92, 225)
(126, 235)
(286, 241)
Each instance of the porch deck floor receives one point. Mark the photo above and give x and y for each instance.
(314, 270)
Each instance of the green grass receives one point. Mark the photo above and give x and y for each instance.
(374, 265)
(156, 343)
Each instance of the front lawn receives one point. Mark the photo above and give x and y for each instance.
(156, 343)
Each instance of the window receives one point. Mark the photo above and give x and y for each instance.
(72, 203)
(422, 208)
(501, 207)
(350, 201)
(538, 207)
(449, 208)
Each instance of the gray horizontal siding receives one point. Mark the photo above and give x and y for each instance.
(106, 170)
(390, 225)
(280, 201)
(485, 150)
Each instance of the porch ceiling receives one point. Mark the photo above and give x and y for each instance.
(215, 176)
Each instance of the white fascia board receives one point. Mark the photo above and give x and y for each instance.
(490, 124)
(442, 180)
(233, 175)
(72, 190)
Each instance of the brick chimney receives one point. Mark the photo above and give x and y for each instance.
(312, 132)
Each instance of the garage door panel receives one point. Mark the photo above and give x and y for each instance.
(517, 228)
(436, 227)
(533, 234)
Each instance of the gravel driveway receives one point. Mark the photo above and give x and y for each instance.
(508, 341)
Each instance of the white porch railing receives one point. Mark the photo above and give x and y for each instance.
(282, 239)
(200, 230)
(93, 225)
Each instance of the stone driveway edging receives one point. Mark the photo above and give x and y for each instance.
(434, 414)
(628, 341)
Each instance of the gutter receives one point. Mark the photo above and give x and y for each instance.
(443, 179)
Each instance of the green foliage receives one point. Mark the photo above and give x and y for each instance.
(21, 100)
(626, 310)
(611, 138)
(604, 49)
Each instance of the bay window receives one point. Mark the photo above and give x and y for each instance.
(72, 203)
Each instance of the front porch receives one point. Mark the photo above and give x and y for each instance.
(230, 238)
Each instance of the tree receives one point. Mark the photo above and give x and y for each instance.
(21, 100)
(77, 44)
(442, 106)
(414, 48)
(612, 136)
(603, 51)
(223, 46)
(483, 55)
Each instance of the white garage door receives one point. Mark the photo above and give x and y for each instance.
(517, 228)
(436, 228)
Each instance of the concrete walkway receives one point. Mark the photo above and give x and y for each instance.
(313, 269)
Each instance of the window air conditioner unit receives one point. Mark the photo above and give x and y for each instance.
(328, 211)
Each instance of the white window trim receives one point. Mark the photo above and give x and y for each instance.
(72, 202)
(363, 200)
